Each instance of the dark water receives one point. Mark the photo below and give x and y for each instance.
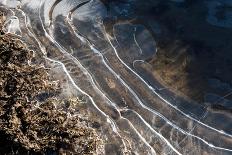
(155, 74)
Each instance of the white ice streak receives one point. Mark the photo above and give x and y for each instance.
(137, 44)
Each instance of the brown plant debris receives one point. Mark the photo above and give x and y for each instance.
(29, 124)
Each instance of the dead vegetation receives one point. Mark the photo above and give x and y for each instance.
(29, 121)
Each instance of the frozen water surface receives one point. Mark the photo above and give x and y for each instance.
(105, 50)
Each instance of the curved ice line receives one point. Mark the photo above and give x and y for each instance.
(51, 11)
(78, 6)
(137, 44)
(137, 98)
(42, 48)
(137, 61)
(10, 21)
(153, 90)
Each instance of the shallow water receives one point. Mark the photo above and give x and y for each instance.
(102, 50)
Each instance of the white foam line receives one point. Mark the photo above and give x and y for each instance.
(12, 26)
(151, 110)
(153, 90)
